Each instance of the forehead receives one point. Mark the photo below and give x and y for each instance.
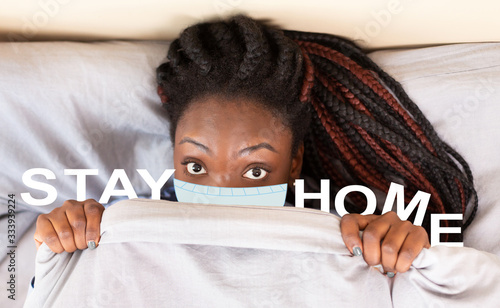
(216, 118)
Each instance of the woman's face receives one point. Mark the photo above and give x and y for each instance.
(234, 143)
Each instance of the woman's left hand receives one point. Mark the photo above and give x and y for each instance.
(387, 240)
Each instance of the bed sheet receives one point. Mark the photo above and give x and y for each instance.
(166, 254)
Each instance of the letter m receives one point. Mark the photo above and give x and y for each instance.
(396, 194)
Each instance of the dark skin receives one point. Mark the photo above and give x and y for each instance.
(233, 147)
(241, 144)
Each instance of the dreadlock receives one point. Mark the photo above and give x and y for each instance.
(357, 123)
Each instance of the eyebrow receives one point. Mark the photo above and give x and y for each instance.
(245, 151)
(200, 145)
(263, 145)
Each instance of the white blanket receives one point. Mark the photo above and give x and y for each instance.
(165, 254)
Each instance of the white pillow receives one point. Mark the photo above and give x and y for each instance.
(68, 105)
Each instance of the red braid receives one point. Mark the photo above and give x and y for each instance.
(348, 151)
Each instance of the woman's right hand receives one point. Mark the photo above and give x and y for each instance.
(70, 227)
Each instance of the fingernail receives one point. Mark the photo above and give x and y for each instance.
(91, 245)
(391, 274)
(357, 251)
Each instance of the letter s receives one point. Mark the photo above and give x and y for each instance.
(49, 189)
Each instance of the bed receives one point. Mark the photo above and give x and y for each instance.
(81, 104)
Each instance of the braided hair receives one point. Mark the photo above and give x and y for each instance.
(357, 123)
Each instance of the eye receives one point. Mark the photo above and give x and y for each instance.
(255, 174)
(195, 168)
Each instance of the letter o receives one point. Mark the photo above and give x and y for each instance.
(371, 200)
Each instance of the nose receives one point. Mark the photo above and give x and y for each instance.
(220, 180)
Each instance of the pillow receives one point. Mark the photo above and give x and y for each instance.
(68, 105)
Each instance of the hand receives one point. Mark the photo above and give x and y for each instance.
(387, 240)
(70, 227)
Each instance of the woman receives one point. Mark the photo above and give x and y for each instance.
(250, 105)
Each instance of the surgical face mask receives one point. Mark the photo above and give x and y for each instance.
(273, 195)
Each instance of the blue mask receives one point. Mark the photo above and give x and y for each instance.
(261, 195)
